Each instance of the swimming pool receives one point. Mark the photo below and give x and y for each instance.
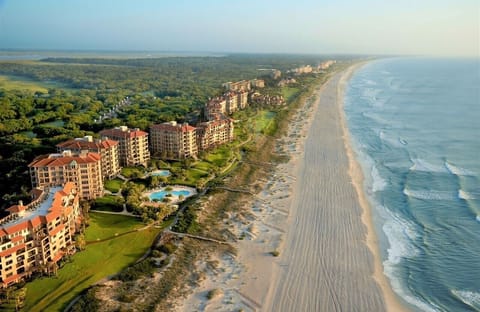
(160, 195)
(160, 173)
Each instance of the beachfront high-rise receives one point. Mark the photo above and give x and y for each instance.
(213, 133)
(173, 141)
(57, 169)
(34, 237)
(108, 150)
(133, 145)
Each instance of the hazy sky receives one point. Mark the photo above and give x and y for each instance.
(434, 27)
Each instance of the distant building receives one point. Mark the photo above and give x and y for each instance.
(213, 133)
(173, 141)
(34, 237)
(133, 145)
(242, 99)
(257, 83)
(326, 64)
(57, 169)
(243, 85)
(276, 74)
(215, 108)
(232, 102)
(108, 150)
(307, 69)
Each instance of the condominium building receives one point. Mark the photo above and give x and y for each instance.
(213, 133)
(242, 99)
(243, 85)
(57, 169)
(257, 83)
(231, 99)
(215, 108)
(106, 148)
(133, 145)
(173, 141)
(34, 237)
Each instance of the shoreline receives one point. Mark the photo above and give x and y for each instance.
(300, 249)
(356, 173)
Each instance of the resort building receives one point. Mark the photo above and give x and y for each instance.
(34, 237)
(242, 99)
(215, 108)
(106, 148)
(231, 99)
(213, 133)
(132, 145)
(257, 83)
(173, 141)
(57, 169)
(243, 85)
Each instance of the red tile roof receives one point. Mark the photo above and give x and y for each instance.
(58, 160)
(172, 128)
(119, 133)
(9, 251)
(11, 279)
(79, 144)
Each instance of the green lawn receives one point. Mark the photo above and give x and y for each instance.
(203, 165)
(290, 93)
(133, 172)
(91, 265)
(107, 225)
(113, 185)
(219, 156)
(108, 203)
(263, 121)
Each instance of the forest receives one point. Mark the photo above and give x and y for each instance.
(160, 89)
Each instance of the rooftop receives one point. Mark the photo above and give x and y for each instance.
(43, 208)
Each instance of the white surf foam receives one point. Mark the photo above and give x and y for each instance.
(401, 234)
(389, 140)
(478, 218)
(459, 171)
(430, 195)
(423, 165)
(470, 298)
(468, 195)
(378, 183)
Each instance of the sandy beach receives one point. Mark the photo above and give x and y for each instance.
(309, 244)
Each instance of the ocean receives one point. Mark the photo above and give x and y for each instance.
(415, 126)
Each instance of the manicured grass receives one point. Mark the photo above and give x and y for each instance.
(113, 185)
(263, 121)
(104, 226)
(290, 93)
(108, 203)
(219, 156)
(133, 172)
(203, 165)
(91, 265)
(191, 177)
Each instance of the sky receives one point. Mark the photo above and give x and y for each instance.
(411, 27)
